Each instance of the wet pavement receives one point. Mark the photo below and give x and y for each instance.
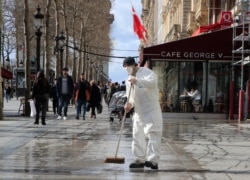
(205, 148)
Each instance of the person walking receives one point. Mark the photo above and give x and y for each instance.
(95, 97)
(64, 87)
(106, 92)
(102, 90)
(54, 97)
(40, 95)
(81, 96)
(73, 101)
(114, 87)
(123, 86)
(7, 92)
(147, 117)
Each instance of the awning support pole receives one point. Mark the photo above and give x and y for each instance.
(241, 106)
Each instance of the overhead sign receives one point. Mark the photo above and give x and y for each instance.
(226, 18)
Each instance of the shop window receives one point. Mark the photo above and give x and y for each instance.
(218, 86)
(167, 73)
(178, 80)
(191, 82)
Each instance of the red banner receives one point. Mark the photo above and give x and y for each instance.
(225, 20)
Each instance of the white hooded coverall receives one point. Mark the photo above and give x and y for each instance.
(147, 119)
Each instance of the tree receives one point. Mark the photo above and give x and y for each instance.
(27, 57)
(56, 19)
(83, 21)
(9, 32)
(47, 41)
(1, 79)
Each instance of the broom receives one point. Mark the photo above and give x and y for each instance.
(115, 159)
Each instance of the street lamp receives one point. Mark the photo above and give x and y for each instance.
(8, 58)
(38, 22)
(60, 47)
(21, 62)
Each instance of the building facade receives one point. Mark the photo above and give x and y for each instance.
(190, 45)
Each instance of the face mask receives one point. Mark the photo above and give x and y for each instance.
(129, 69)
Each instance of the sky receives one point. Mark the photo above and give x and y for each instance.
(125, 42)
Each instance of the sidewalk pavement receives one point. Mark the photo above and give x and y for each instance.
(76, 149)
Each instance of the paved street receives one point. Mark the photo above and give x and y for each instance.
(206, 148)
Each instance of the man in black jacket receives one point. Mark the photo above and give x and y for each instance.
(82, 89)
(65, 88)
(40, 93)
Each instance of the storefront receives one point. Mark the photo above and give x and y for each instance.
(203, 62)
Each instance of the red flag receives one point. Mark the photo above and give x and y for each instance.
(139, 29)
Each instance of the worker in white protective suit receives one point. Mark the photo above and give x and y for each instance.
(147, 117)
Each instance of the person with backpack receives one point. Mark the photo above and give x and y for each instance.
(82, 96)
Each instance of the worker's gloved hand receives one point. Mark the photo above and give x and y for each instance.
(132, 80)
(127, 107)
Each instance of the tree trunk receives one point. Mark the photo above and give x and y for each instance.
(74, 50)
(56, 33)
(80, 62)
(1, 79)
(47, 40)
(66, 34)
(27, 60)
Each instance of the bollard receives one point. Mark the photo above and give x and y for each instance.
(231, 100)
(241, 106)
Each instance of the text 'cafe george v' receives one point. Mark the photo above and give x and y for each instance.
(195, 74)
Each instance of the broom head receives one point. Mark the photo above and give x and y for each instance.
(116, 160)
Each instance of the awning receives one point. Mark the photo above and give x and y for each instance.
(216, 46)
(6, 74)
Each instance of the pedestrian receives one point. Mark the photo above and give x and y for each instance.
(7, 92)
(81, 96)
(73, 101)
(106, 92)
(113, 88)
(102, 90)
(64, 87)
(123, 86)
(147, 117)
(40, 94)
(95, 97)
(54, 97)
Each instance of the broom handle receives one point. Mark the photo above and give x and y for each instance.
(122, 125)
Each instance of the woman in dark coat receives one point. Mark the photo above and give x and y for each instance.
(41, 95)
(95, 97)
